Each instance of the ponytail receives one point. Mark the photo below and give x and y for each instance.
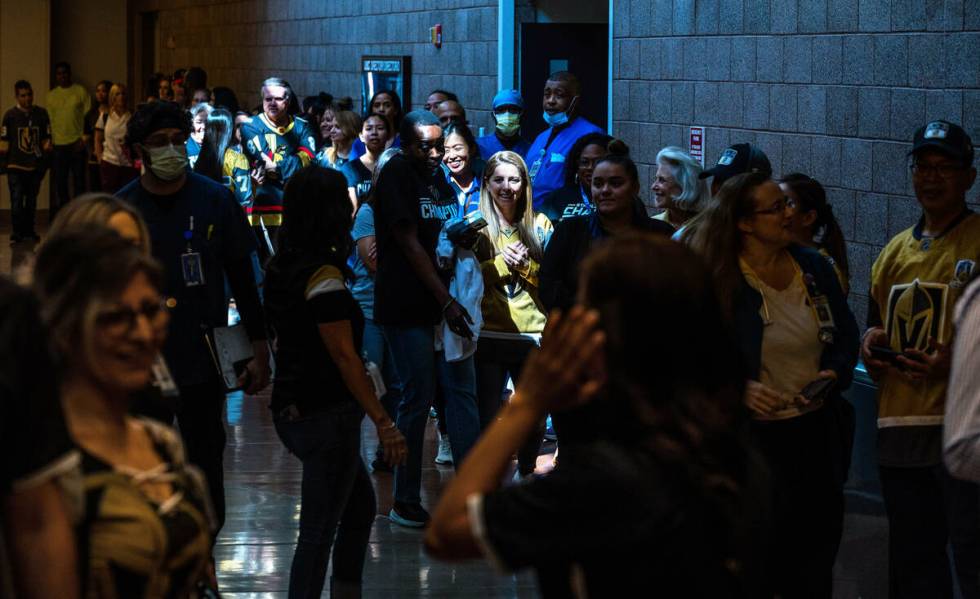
(827, 233)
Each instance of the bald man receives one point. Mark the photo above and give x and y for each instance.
(450, 111)
(546, 158)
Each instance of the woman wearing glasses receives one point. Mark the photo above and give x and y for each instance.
(147, 524)
(799, 344)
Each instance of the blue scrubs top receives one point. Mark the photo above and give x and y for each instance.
(490, 145)
(547, 165)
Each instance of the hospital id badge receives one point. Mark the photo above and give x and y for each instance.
(536, 166)
(190, 265)
(825, 318)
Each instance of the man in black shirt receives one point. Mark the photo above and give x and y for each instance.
(412, 200)
(25, 138)
(200, 236)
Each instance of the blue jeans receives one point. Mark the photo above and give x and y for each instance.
(337, 497)
(419, 366)
(376, 350)
(24, 187)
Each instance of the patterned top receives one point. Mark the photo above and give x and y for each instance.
(132, 547)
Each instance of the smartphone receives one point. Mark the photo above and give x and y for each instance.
(818, 389)
(885, 354)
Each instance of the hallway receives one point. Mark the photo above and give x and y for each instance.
(262, 484)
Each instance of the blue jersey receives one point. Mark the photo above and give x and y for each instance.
(291, 147)
(546, 162)
(490, 145)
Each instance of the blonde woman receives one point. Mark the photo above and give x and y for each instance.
(116, 167)
(341, 131)
(510, 253)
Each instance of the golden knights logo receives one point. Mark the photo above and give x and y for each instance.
(27, 140)
(962, 273)
(916, 311)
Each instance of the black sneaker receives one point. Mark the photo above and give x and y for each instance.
(380, 465)
(412, 515)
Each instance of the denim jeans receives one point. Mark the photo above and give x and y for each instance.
(68, 161)
(496, 359)
(419, 366)
(376, 350)
(24, 186)
(337, 499)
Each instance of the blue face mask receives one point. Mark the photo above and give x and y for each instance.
(555, 120)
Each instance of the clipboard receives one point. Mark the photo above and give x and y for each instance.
(231, 351)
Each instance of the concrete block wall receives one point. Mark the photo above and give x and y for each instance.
(317, 45)
(831, 88)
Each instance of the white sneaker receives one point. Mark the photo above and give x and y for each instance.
(445, 455)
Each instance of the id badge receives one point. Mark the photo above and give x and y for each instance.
(190, 264)
(537, 165)
(825, 318)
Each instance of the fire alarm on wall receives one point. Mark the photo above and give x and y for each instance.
(435, 34)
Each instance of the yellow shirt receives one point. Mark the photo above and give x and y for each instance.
(67, 107)
(511, 307)
(915, 283)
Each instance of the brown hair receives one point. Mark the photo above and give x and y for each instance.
(97, 209)
(78, 271)
(714, 233)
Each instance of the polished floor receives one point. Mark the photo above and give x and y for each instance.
(262, 488)
(262, 482)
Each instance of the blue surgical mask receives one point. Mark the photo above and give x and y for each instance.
(555, 120)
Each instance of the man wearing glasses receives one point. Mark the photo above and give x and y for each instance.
(412, 201)
(915, 283)
(277, 145)
(199, 234)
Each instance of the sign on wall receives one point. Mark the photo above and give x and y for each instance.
(696, 144)
(380, 73)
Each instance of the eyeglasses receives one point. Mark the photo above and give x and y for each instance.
(945, 170)
(122, 320)
(778, 207)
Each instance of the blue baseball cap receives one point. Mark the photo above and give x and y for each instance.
(508, 97)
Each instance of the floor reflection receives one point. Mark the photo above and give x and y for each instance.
(262, 483)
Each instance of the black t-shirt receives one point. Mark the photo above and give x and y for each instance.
(567, 202)
(621, 523)
(302, 292)
(25, 134)
(34, 443)
(359, 177)
(222, 236)
(572, 240)
(406, 195)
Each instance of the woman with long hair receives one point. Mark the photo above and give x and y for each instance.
(510, 253)
(665, 494)
(387, 103)
(799, 342)
(95, 118)
(221, 158)
(341, 132)
(814, 225)
(116, 166)
(322, 392)
(617, 210)
(101, 299)
(575, 198)
(459, 161)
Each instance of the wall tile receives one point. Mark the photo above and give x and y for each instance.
(695, 58)
(889, 164)
(683, 20)
(768, 56)
(706, 17)
(825, 157)
(926, 61)
(963, 59)
(743, 58)
(874, 108)
(858, 59)
(828, 59)
(908, 112)
(945, 104)
(797, 59)
(783, 108)
(812, 16)
(891, 60)
(871, 225)
(842, 15)
(796, 154)
(856, 164)
(756, 106)
(909, 15)
(719, 58)
(812, 109)
(756, 16)
(874, 15)
(682, 102)
(783, 15)
(731, 15)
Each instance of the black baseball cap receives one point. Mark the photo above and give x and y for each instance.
(946, 137)
(736, 160)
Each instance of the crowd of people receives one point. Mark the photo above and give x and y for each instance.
(392, 264)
